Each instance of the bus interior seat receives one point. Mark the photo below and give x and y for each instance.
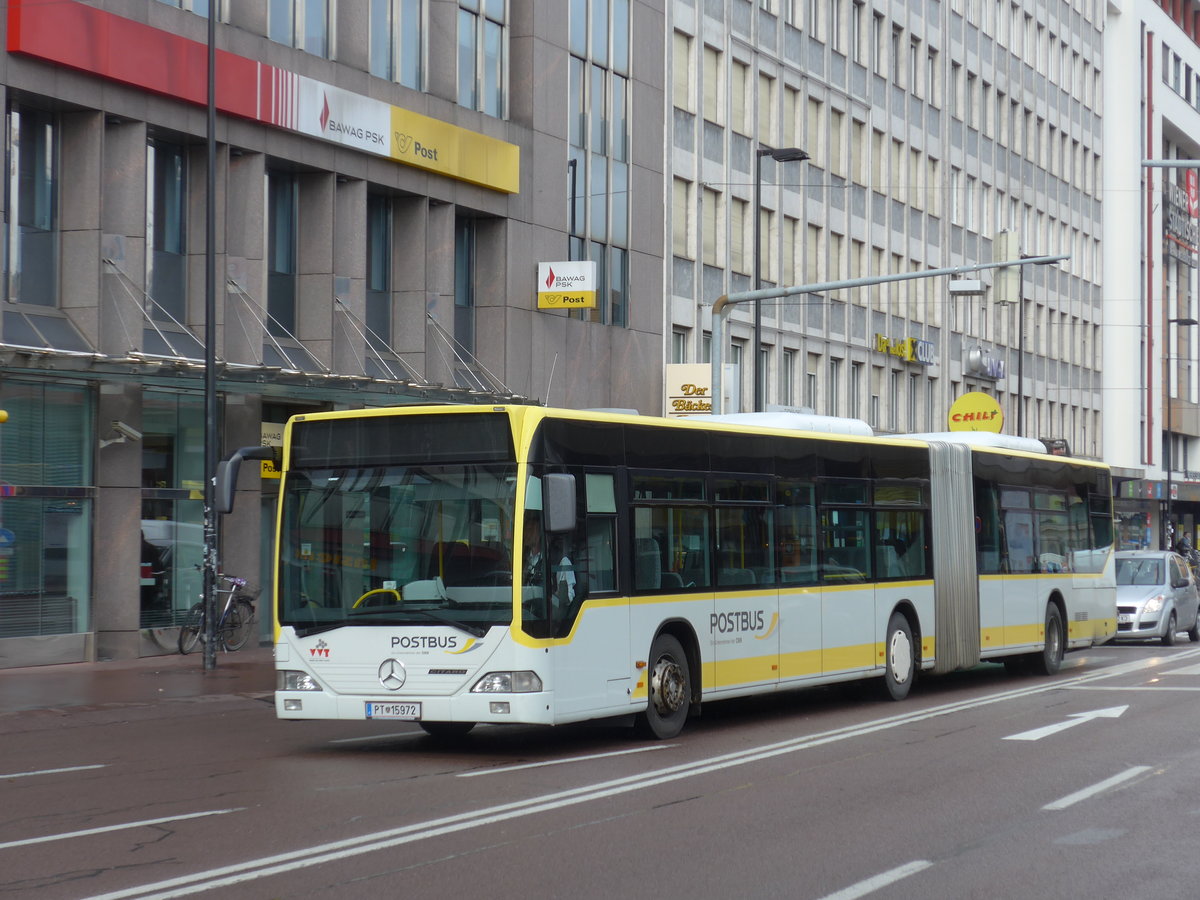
(647, 565)
(695, 568)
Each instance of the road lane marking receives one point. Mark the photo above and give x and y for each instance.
(52, 771)
(1187, 670)
(1135, 687)
(1072, 799)
(558, 762)
(66, 835)
(294, 860)
(882, 880)
(1073, 719)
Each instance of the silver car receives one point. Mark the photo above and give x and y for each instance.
(1156, 597)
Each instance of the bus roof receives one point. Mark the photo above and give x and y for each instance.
(984, 439)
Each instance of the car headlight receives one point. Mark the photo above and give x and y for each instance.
(291, 680)
(508, 683)
(1154, 604)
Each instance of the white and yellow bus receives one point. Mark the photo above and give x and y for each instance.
(452, 565)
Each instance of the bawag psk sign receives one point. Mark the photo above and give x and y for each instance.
(566, 285)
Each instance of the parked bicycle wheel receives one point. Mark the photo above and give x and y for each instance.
(238, 624)
(192, 629)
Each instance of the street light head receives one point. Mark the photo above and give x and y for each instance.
(787, 154)
(1185, 321)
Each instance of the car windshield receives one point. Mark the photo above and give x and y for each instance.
(1131, 570)
(414, 545)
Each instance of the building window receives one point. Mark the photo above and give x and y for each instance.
(894, 399)
(789, 377)
(681, 72)
(379, 273)
(683, 239)
(736, 356)
(857, 49)
(856, 373)
(396, 40)
(464, 283)
(303, 24)
(48, 564)
(679, 346)
(598, 138)
(33, 226)
(282, 234)
(832, 386)
(166, 232)
(481, 57)
(172, 520)
(714, 99)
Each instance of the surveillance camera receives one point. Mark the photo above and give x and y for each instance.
(126, 431)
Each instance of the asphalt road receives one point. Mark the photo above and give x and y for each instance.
(981, 784)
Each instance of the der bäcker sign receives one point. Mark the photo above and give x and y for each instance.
(566, 285)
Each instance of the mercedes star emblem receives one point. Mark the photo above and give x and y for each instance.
(392, 674)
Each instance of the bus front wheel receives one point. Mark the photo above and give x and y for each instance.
(670, 688)
(900, 662)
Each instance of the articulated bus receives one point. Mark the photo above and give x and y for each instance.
(452, 565)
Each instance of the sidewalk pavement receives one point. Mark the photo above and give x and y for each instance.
(250, 670)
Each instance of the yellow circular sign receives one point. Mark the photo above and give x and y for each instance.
(976, 411)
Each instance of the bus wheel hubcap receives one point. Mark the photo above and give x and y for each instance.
(667, 686)
(901, 657)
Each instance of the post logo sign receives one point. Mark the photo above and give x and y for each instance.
(566, 285)
(976, 411)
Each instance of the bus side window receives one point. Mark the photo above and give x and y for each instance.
(797, 533)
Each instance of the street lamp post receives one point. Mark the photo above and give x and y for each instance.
(211, 430)
(783, 154)
(1169, 443)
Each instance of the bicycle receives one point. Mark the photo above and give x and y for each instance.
(233, 627)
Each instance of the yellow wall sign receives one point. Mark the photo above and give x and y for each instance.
(566, 285)
(976, 411)
(456, 152)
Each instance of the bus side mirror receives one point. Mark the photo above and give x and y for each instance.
(227, 472)
(558, 502)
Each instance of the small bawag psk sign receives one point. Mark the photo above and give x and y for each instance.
(566, 285)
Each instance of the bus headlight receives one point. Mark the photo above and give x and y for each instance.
(508, 683)
(291, 680)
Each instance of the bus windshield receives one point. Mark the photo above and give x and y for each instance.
(397, 545)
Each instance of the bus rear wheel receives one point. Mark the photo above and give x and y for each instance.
(1050, 659)
(900, 661)
(670, 688)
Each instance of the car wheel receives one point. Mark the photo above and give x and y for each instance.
(1194, 631)
(1168, 638)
